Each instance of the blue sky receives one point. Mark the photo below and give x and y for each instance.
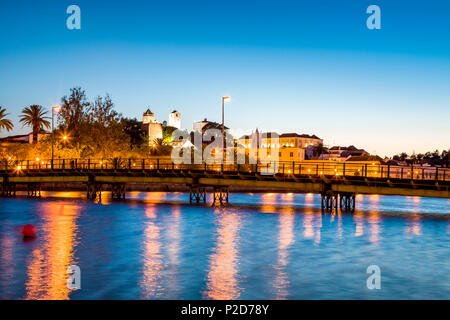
(289, 66)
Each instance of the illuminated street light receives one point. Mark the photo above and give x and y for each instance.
(57, 109)
(223, 126)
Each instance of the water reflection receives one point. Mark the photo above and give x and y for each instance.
(318, 227)
(222, 283)
(104, 198)
(46, 270)
(285, 241)
(374, 219)
(308, 219)
(152, 256)
(267, 200)
(340, 229)
(414, 225)
(7, 265)
(173, 248)
(278, 246)
(358, 218)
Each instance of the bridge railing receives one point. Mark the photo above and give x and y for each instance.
(308, 168)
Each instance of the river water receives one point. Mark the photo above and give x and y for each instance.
(262, 246)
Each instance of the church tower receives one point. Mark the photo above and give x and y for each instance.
(175, 119)
(149, 117)
(152, 127)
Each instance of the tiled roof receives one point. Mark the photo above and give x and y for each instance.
(296, 135)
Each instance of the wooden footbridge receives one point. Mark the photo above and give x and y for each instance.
(337, 182)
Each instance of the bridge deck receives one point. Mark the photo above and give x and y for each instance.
(300, 177)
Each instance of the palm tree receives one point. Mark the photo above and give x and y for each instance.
(35, 117)
(5, 123)
(160, 147)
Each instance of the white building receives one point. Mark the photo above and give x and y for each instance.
(175, 119)
(152, 127)
(198, 126)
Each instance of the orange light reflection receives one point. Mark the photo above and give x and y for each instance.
(47, 269)
(152, 264)
(285, 241)
(222, 281)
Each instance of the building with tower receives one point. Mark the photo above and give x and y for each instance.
(175, 119)
(152, 127)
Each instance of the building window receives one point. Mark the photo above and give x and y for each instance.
(279, 154)
(291, 154)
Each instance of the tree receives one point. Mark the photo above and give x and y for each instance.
(102, 112)
(318, 149)
(103, 132)
(132, 127)
(73, 114)
(403, 156)
(445, 158)
(160, 148)
(35, 117)
(167, 134)
(5, 123)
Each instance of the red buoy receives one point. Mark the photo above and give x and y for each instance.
(29, 231)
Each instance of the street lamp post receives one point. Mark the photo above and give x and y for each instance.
(57, 108)
(223, 127)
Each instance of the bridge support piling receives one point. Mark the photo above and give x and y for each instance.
(197, 194)
(329, 200)
(347, 202)
(8, 190)
(220, 196)
(118, 191)
(34, 190)
(92, 190)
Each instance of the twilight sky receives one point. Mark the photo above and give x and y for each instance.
(289, 66)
